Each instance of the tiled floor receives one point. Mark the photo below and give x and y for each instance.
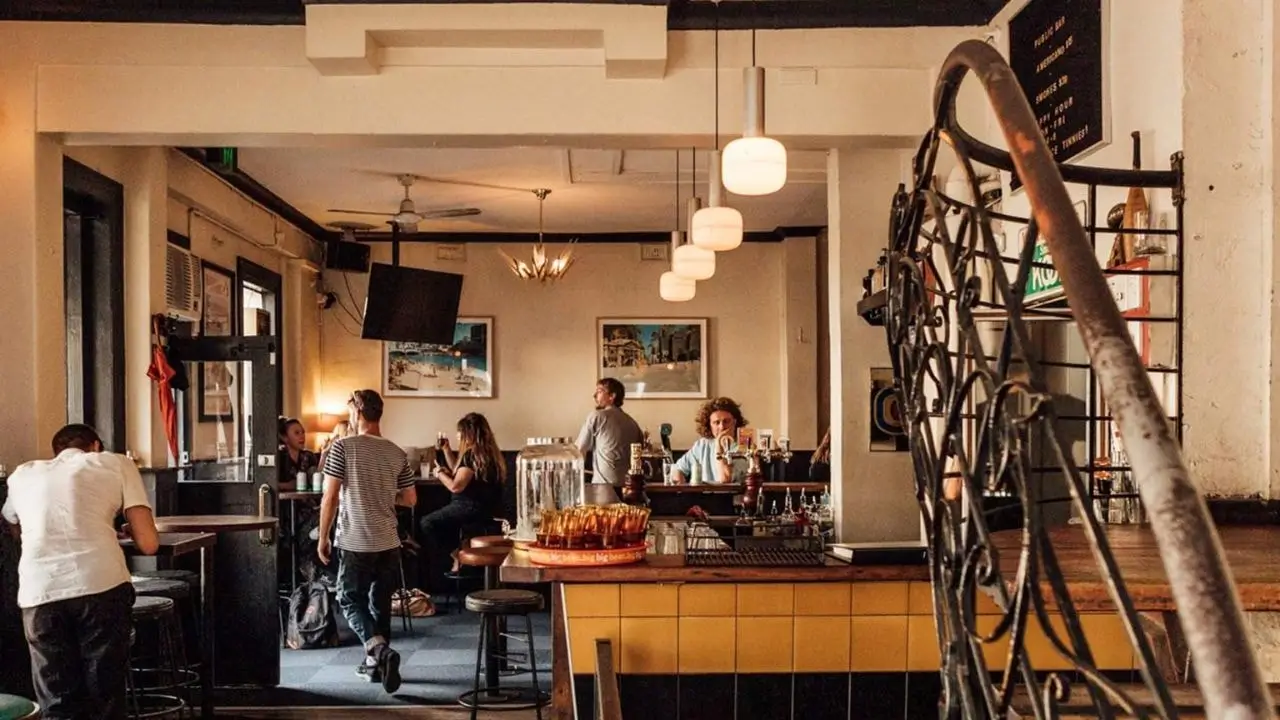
(437, 664)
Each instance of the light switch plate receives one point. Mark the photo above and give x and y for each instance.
(653, 251)
(265, 460)
(451, 251)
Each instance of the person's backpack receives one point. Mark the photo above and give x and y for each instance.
(311, 620)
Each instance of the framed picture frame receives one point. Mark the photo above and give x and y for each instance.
(215, 381)
(464, 368)
(218, 312)
(654, 358)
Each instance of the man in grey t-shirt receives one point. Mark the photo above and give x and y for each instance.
(608, 433)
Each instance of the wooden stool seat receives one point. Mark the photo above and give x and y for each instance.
(485, 541)
(485, 557)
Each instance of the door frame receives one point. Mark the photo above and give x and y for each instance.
(95, 268)
(271, 281)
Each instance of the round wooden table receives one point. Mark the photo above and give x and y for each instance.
(214, 523)
(210, 524)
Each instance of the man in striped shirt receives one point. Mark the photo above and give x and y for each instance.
(366, 476)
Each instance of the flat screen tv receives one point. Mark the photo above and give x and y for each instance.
(411, 305)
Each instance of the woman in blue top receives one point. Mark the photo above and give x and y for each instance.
(717, 418)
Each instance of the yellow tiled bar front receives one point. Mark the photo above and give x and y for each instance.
(704, 628)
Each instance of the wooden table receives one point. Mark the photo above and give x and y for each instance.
(1250, 553)
(210, 524)
(176, 544)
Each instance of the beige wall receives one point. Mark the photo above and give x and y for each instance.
(545, 356)
(165, 190)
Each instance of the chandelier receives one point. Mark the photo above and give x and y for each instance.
(542, 267)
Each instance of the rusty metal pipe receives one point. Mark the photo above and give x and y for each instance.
(1201, 582)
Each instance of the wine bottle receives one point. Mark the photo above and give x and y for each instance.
(1135, 205)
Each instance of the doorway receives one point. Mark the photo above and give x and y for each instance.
(93, 273)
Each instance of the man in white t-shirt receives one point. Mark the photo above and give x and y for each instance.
(73, 584)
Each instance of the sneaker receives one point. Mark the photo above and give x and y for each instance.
(371, 673)
(389, 667)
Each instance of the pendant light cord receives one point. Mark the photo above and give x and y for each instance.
(753, 34)
(717, 100)
(677, 190)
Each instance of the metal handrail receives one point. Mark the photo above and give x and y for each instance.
(1208, 606)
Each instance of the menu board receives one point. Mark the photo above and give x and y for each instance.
(1056, 50)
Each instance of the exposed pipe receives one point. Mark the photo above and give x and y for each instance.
(1201, 583)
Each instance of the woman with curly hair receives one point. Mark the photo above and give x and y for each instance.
(716, 418)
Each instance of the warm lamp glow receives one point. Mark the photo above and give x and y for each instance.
(717, 229)
(692, 262)
(754, 166)
(674, 288)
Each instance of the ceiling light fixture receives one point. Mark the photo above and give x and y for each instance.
(688, 260)
(542, 267)
(716, 227)
(754, 164)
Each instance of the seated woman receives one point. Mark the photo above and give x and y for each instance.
(718, 418)
(294, 456)
(475, 483)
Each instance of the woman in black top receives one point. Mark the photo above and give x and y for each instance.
(476, 484)
(294, 456)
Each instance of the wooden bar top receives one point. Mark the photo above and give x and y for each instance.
(214, 523)
(175, 544)
(672, 569)
(736, 488)
(1250, 552)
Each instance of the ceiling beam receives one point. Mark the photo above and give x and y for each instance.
(682, 14)
(655, 236)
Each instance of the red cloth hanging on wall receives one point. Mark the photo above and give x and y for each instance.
(162, 373)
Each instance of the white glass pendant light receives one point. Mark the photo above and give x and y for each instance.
(754, 164)
(675, 288)
(716, 227)
(691, 262)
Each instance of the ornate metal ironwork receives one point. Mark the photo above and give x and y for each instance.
(948, 273)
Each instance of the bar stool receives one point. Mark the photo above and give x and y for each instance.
(13, 707)
(165, 696)
(494, 607)
(491, 541)
(489, 558)
(181, 591)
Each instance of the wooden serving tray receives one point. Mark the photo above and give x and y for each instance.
(586, 558)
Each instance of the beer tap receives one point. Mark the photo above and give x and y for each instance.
(755, 457)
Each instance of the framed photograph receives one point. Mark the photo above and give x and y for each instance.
(654, 358)
(218, 316)
(217, 380)
(462, 369)
(888, 424)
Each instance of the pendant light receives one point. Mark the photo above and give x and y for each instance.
(672, 286)
(688, 260)
(716, 227)
(754, 164)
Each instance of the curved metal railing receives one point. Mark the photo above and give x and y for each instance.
(937, 283)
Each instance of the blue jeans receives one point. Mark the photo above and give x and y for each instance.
(365, 584)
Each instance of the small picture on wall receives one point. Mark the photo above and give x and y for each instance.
(462, 369)
(654, 358)
(216, 382)
(888, 424)
(218, 317)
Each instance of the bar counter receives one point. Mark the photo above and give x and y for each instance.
(672, 569)
(846, 641)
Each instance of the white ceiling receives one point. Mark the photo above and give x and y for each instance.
(591, 190)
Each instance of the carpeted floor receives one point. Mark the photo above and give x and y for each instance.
(437, 664)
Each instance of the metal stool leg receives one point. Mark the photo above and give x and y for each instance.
(533, 667)
(475, 690)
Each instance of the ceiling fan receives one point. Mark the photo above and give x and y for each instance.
(408, 217)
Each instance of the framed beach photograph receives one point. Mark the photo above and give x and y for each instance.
(462, 369)
(654, 358)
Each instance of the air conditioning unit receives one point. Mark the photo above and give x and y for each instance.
(183, 286)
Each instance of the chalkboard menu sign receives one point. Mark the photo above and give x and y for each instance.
(1056, 50)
